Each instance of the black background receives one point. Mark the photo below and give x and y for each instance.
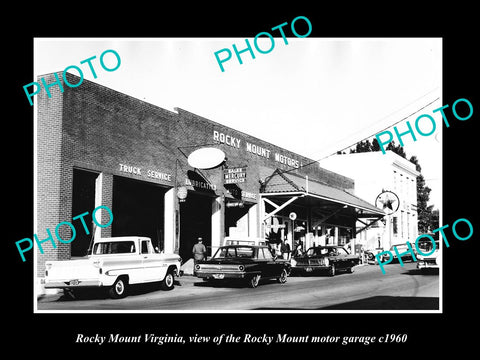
(428, 334)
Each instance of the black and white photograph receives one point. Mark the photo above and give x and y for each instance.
(214, 200)
(269, 184)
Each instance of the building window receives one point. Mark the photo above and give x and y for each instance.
(401, 190)
(408, 226)
(402, 224)
(343, 236)
(395, 225)
(407, 190)
(414, 192)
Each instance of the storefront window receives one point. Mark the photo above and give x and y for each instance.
(343, 236)
(402, 223)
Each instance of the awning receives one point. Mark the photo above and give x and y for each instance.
(282, 184)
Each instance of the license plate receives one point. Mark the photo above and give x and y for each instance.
(218, 276)
(74, 282)
(309, 269)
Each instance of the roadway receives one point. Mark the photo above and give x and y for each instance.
(401, 288)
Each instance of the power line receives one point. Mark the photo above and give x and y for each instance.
(316, 161)
(396, 111)
(395, 123)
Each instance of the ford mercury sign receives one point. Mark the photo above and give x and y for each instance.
(235, 175)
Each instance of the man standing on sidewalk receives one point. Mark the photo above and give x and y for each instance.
(285, 250)
(199, 251)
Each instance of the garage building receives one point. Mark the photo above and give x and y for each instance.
(96, 146)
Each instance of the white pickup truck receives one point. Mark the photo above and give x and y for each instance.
(115, 263)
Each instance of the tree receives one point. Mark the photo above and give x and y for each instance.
(397, 149)
(426, 218)
(375, 145)
(362, 146)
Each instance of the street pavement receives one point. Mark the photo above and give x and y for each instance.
(401, 288)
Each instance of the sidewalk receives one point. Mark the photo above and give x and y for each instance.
(187, 267)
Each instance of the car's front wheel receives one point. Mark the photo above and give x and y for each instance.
(168, 281)
(119, 288)
(254, 280)
(332, 270)
(282, 279)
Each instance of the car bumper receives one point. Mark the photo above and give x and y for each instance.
(308, 268)
(72, 284)
(221, 275)
(427, 265)
(404, 258)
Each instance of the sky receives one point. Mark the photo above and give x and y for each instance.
(313, 96)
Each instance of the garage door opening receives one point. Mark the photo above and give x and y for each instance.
(83, 200)
(195, 221)
(138, 208)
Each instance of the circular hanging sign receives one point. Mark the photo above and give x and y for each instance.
(292, 216)
(388, 201)
(206, 158)
(182, 193)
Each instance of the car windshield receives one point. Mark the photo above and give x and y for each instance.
(114, 247)
(313, 251)
(229, 252)
(427, 246)
(322, 251)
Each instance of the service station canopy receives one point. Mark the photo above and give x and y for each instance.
(324, 203)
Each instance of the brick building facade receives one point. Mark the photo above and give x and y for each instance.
(96, 146)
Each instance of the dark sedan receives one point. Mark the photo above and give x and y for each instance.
(328, 258)
(249, 263)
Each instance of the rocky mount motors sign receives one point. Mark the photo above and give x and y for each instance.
(235, 175)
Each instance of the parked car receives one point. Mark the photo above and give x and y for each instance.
(402, 249)
(245, 262)
(430, 261)
(370, 255)
(325, 258)
(115, 263)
